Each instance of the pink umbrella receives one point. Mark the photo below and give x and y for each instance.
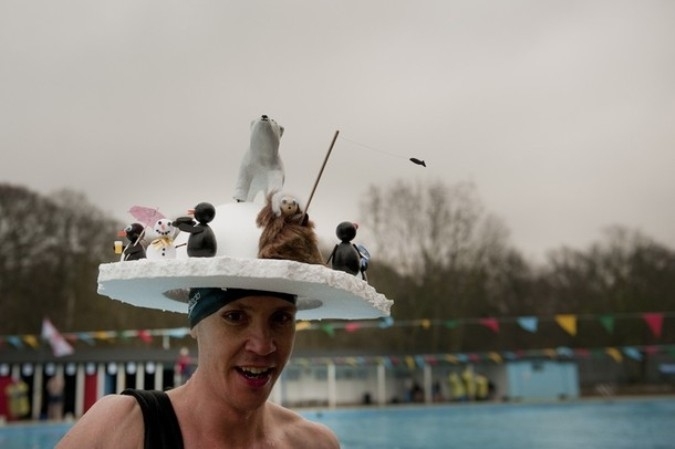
(147, 216)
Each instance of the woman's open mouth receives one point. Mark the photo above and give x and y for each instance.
(255, 376)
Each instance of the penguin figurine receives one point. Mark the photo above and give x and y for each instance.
(135, 250)
(345, 255)
(162, 247)
(202, 240)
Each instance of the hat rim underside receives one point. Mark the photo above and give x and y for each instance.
(322, 292)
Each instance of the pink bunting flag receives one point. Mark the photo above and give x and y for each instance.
(352, 327)
(145, 336)
(582, 353)
(490, 323)
(60, 347)
(655, 322)
(651, 350)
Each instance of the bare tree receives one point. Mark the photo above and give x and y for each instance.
(456, 254)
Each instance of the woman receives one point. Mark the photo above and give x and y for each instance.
(243, 347)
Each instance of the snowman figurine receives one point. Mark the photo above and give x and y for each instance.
(163, 246)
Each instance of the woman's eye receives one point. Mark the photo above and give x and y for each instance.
(283, 318)
(234, 316)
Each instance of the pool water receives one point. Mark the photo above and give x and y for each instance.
(589, 425)
(619, 424)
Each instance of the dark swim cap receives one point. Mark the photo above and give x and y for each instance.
(205, 301)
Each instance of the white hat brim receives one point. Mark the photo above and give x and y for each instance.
(323, 293)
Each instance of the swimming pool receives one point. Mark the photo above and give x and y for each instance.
(619, 424)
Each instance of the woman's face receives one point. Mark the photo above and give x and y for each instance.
(244, 346)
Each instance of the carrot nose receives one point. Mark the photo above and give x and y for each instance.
(121, 233)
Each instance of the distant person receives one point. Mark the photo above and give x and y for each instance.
(436, 392)
(457, 390)
(184, 365)
(17, 399)
(481, 382)
(469, 383)
(417, 392)
(55, 386)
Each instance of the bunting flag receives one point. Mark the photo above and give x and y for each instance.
(568, 323)
(565, 352)
(451, 324)
(615, 354)
(632, 353)
(529, 323)
(386, 322)
(181, 332)
(328, 328)
(495, 357)
(582, 353)
(145, 336)
(490, 323)
(650, 350)
(352, 326)
(426, 324)
(302, 325)
(655, 322)
(550, 353)
(85, 337)
(451, 358)
(60, 347)
(607, 322)
(31, 340)
(15, 341)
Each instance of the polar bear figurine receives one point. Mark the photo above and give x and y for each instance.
(261, 168)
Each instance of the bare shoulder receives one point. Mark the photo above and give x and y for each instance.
(300, 432)
(113, 421)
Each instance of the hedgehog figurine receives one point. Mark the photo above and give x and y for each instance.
(287, 232)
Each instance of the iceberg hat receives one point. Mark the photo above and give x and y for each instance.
(318, 290)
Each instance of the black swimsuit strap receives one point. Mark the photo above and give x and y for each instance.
(162, 430)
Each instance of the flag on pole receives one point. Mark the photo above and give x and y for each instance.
(60, 346)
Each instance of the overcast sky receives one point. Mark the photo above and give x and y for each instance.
(561, 112)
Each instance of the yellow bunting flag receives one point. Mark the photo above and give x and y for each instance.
(31, 341)
(104, 335)
(302, 325)
(495, 357)
(426, 323)
(550, 353)
(410, 362)
(614, 354)
(568, 323)
(451, 358)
